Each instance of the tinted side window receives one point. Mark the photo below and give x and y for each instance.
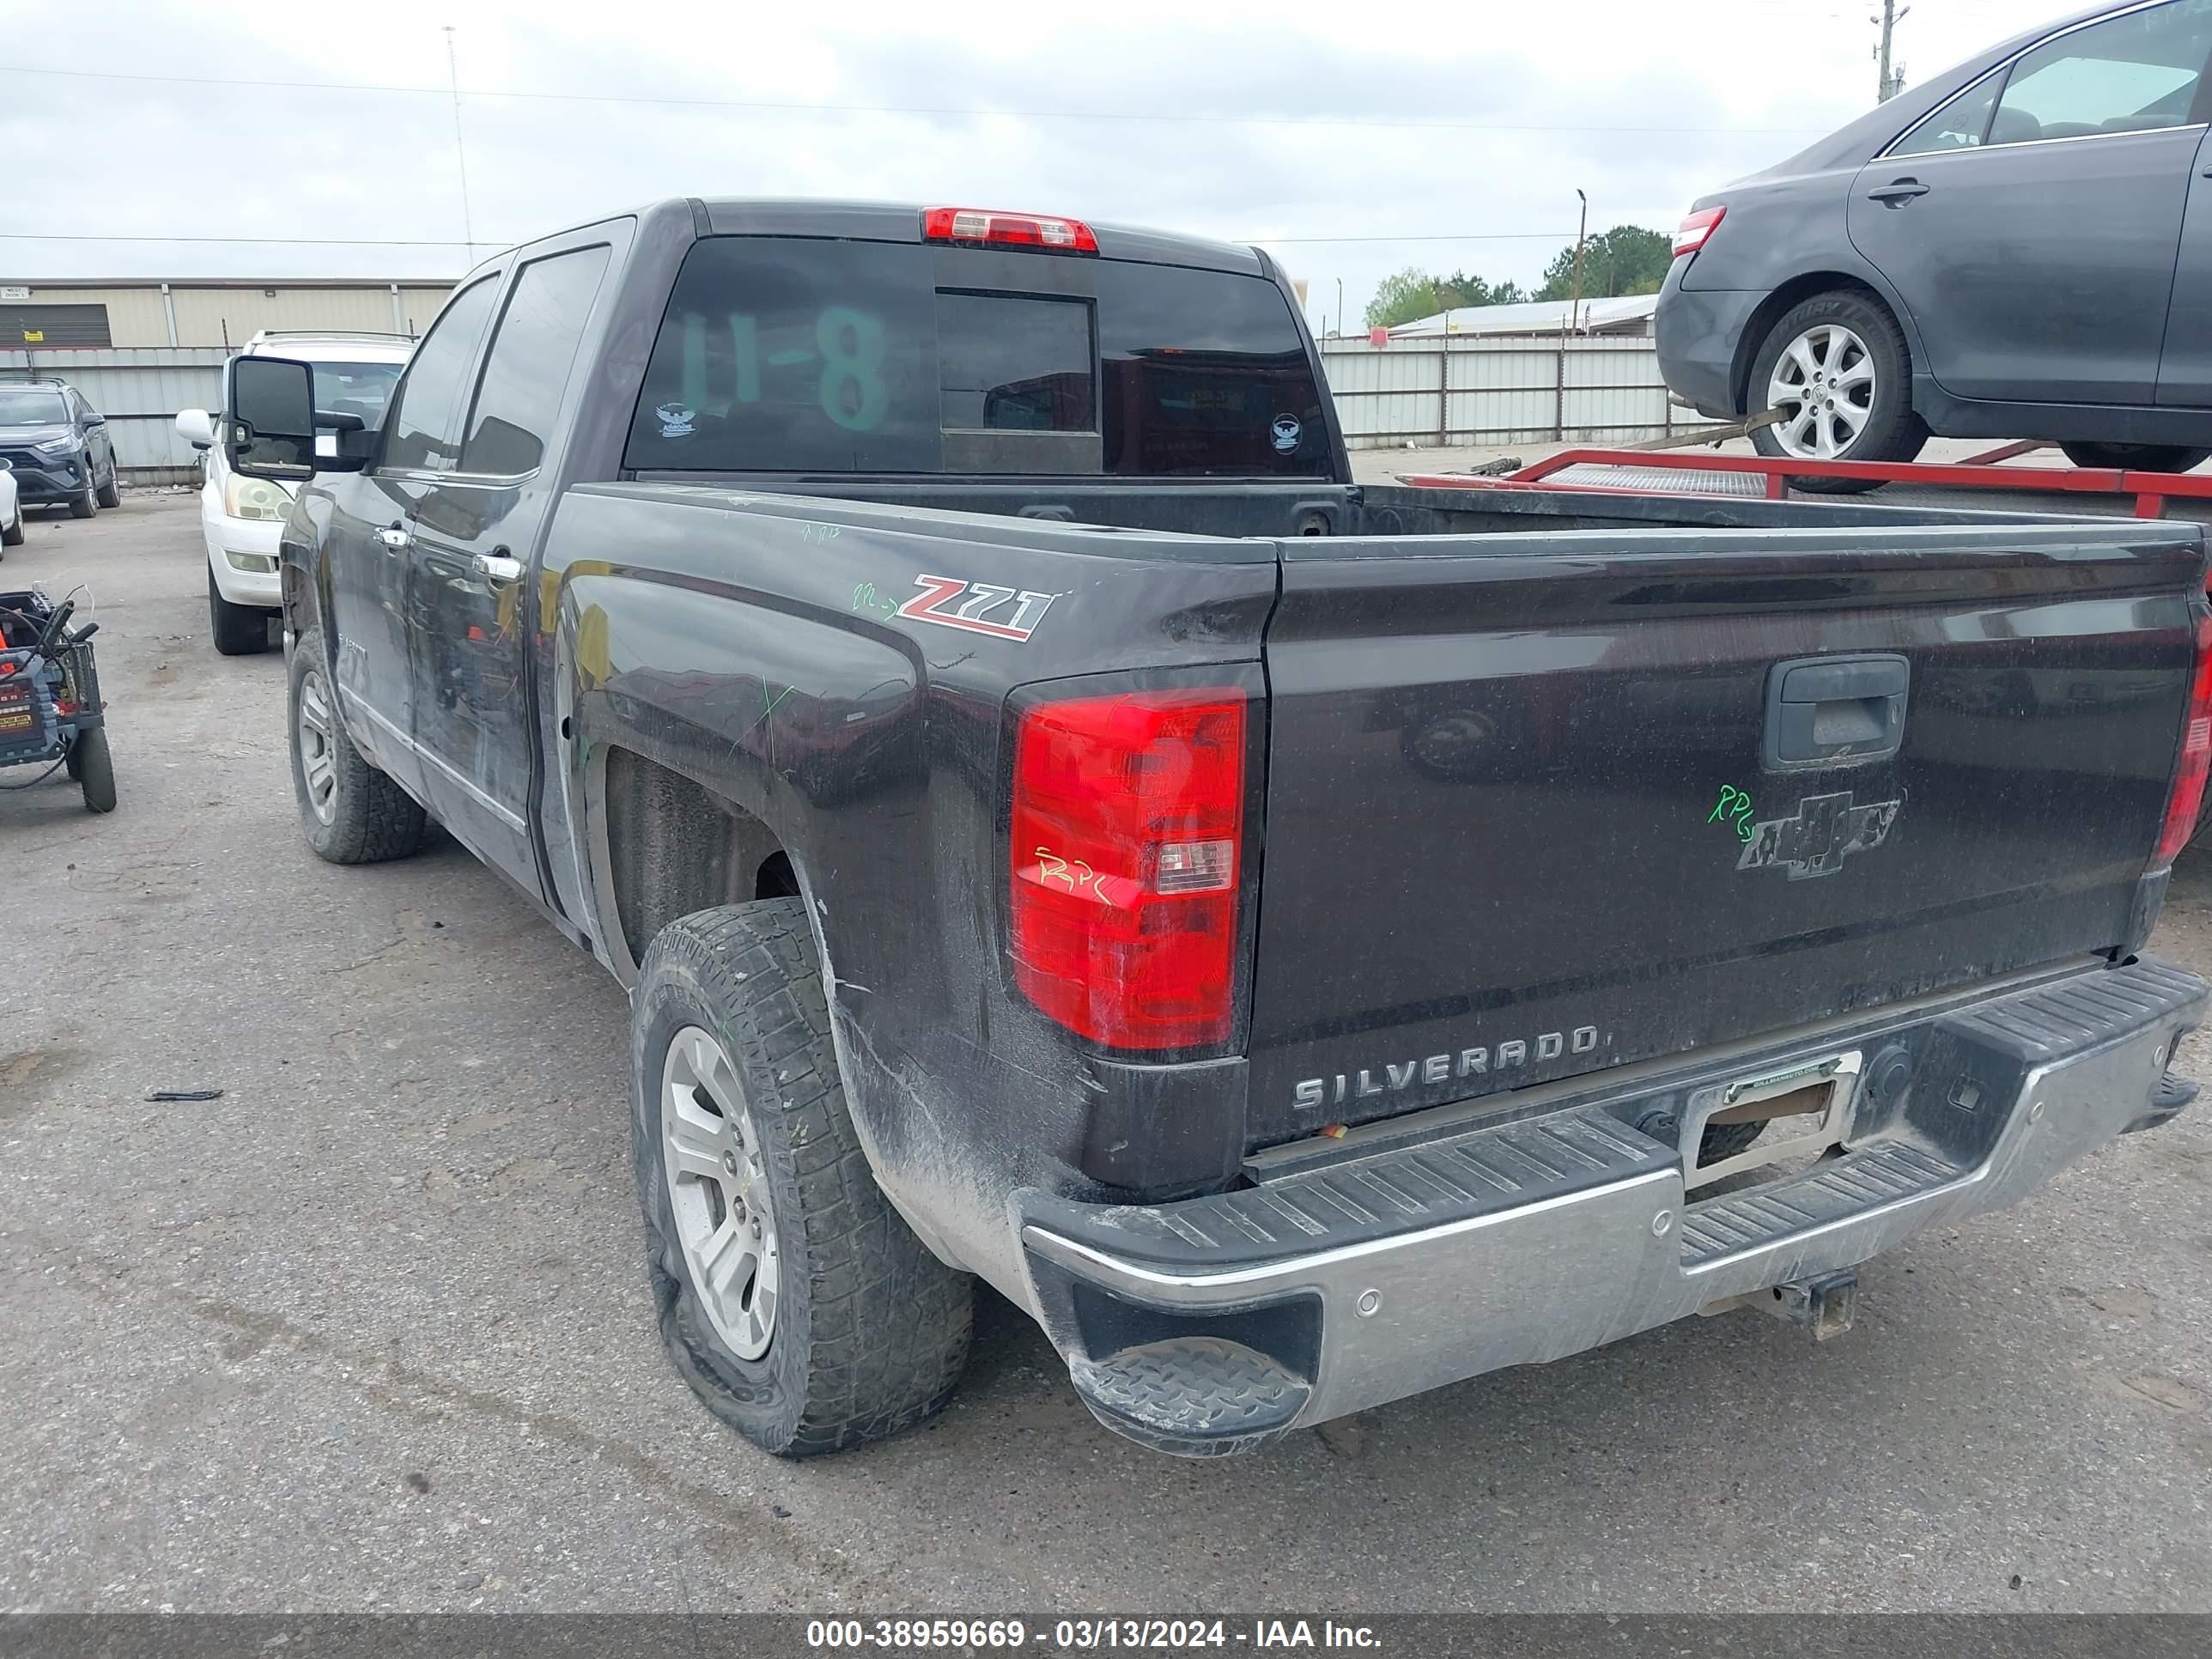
(786, 354)
(426, 425)
(529, 362)
(1959, 124)
(2133, 74)
(1205, 372)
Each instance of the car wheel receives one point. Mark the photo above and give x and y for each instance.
(792, 1298)
(240, 630)
(1836, 370)
(84, 503)
(96, 770)
(11, 535)
(110, 493)
(2140, 458)
(352, 813)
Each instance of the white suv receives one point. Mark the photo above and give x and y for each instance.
(240, 518)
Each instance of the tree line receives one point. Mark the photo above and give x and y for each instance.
(1626, 259)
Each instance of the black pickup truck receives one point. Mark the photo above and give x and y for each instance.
(1304, 944)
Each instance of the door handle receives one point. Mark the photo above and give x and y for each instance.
(498, 569)
(1835, 711)
(1897, 194)
(395, 538)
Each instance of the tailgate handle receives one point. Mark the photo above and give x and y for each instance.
(1835, 711)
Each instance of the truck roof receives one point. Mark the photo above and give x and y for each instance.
(900, 222)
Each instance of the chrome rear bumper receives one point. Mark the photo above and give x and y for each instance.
(1218, 1323)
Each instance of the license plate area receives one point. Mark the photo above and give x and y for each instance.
(1806, 1107)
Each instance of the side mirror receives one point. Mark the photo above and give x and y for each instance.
(196, 428)
(92, 417)
(270, 432)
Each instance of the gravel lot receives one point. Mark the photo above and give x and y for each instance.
(372, 1329)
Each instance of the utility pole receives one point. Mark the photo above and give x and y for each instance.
(1582, 235)
(1891, 80)
(460, 151)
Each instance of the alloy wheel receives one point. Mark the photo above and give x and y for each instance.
(317, 748)
(1824, 388)
(718, 1193)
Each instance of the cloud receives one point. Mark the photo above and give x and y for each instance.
(1274, 122)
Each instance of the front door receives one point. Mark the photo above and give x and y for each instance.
(475, 537)
(2184, 369)
(2036, 252)
(372, 529)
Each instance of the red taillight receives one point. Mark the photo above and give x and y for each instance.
(991, 230)
(1697, 229)
(1127, 839)
(2196, 758)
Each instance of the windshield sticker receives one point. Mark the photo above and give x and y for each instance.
(1286, 433)
(675, 422)
(951, 603)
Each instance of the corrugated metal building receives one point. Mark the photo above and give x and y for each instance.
(126, 311)
(1629, 317)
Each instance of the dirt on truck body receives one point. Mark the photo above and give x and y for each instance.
(1304, 944)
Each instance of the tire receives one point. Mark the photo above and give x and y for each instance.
(96, 770)
(867, 1332)
(84, 504)
(356, 814)
(2140, 458)
(110, 493)
(73, 761)
(240, 630)
(12, 535)
(1845, 332)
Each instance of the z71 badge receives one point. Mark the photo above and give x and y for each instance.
(978, 607)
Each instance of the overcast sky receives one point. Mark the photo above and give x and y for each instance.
(1404, 126)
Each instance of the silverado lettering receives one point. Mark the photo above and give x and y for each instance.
(1317, 1091)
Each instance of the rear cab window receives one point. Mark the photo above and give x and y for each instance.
(813, 355)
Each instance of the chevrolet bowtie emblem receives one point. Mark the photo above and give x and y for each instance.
(1823, 832)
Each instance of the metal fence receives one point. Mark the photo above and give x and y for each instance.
(1472, 392)
(140, 389)
(1478, 393)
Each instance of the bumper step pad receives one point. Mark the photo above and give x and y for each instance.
(1195, 1396)
(1834, 1191)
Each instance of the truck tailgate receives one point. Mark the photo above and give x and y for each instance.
(1533, 809)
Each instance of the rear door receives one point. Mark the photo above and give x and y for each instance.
(2037, 260)
(1540, 805)
(476, 530)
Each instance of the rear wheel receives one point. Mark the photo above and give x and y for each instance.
(352, 813)
(793, 1299)
(110, 493)
(2141, 458)
(240, 630)
(96, 770)
(1836, 370)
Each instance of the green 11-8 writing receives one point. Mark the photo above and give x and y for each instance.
(848, 344)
